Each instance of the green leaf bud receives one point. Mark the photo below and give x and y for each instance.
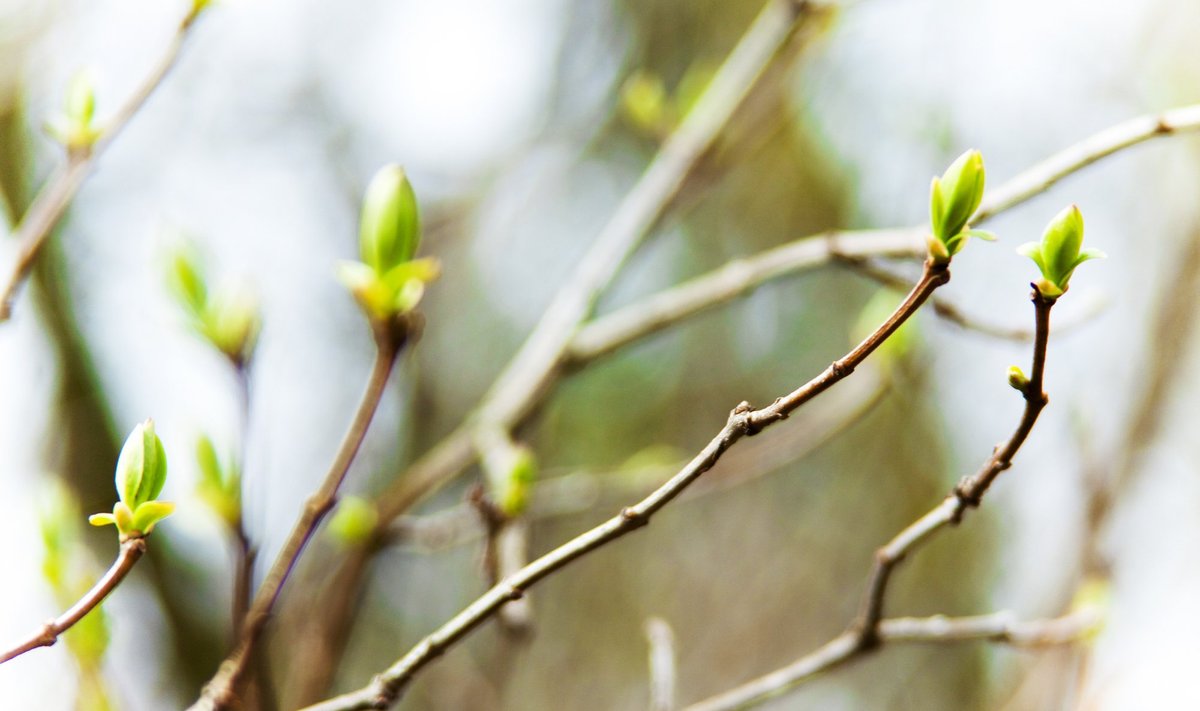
(353, 521)
(511, 472)
(953, 199)
(149, 513)
(1059, 252)
(186, 280)
(389, 230)
(1017, 379)
(232, 323)
(141, 466)
(219, 487)
(644, 102)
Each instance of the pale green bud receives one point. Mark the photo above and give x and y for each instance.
(1017, 379)
(390, 230)
(953, 199)
(353, 521)
(1059, 252)
(141, 466)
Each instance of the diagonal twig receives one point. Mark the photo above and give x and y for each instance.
(56, 194)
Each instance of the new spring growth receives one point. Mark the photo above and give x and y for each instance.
(390, 280)
(1017, 378)
(140, 476)
(953, 199)
(511, 472)
(220, 485)
(228, 317)
(1059, 252)
(75, 127)
(353, 521)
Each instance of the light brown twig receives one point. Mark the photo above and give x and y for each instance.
(131, 550)
(52, 200)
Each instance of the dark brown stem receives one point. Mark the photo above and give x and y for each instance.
(131, 550)
(743, 421)
(220, 693)
(55, 196)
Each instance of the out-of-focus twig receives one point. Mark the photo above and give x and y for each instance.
(999, 627)
(662, 664)
(52, 200)
(131, 551)
(221, 692)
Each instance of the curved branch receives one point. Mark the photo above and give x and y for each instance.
(743, 421)
(999, 627)
(131, 550)
(56, 194)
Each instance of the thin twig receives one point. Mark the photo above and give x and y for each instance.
(999, 627)
(953, 314)
(867, 632)
(662, 664)
(131, 550)
(221, 691)
(568, 494)
(743, 421)
(56, 194)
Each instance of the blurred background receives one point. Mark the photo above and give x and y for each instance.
(522, 123)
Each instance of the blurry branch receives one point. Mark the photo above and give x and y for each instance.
(221, 692)
(524, 382)
(662, 664)
(1044, 175)
(581, 491)
(867, 632)
(55, 196)
(999, 627)
(131, 550)
(1166, 345)
(654, 313)
(952, 314)
(743, 421)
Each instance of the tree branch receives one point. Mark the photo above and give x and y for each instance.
(220, 693)
(131, 550)
(52, 200)
(743, 421)
(868, 632)
(999, 627)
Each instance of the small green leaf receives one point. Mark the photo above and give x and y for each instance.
(149, 513)
(102, 519)
(142, 466)
(186, 281)
(232, 323)
(389, 230)
(123, 516)
(644, 103)
(1059, 252)
(953, 199)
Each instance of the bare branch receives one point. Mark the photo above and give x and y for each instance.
(1072, 159)
(999, 627)
(743, 421)
(131, 550)
(55, 196)
(220, 692)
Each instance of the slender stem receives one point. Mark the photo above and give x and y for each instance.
(52, 200)
(131, 550)
(869, 629)
(968, 493)
(220, 692)
(662, 664)
(999, 627)
(743, 421)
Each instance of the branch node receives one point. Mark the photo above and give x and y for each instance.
(636, 518)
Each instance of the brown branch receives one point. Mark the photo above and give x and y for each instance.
(999, 627)
(56, 194)
(131, 550)
(867, 631)
(950, 313)
(743, 421)
(568, 494)
(221, 691)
